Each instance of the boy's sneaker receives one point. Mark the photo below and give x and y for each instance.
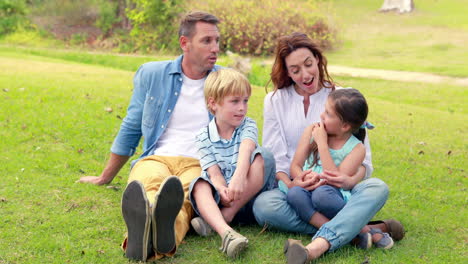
(233, 243)
(363, 241)
(201, 226)
(137, 216)
(386, 242)
(167, 204)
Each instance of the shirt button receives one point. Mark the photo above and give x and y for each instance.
(162, 126)
(169, 110)
(176, 93)
(180, 79)
(151, 98)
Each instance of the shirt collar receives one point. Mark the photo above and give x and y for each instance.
(213, 131)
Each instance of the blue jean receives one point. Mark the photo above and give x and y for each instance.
(367, 197)
(326, 199)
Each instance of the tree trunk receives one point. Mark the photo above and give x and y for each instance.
(402, 6)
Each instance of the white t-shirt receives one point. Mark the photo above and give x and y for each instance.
(188, 117)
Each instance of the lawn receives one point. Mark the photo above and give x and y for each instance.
(55, 128)
(430, 39)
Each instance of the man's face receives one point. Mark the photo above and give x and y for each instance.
(201, 50)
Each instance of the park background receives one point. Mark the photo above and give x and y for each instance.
(66, 72)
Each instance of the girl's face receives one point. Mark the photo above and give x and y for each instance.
(331, 121)
(302, 67)
(230, 111)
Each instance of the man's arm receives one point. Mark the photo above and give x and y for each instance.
(113, 166)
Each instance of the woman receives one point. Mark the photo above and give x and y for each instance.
(301, 87)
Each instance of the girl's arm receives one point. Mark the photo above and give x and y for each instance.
(353, 161)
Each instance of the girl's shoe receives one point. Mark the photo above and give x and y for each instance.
(363, 241)
(394, 228)
(386, 242)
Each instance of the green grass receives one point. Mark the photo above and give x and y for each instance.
(431, 39)
(54, 129)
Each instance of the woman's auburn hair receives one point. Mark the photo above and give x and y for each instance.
(287, 45)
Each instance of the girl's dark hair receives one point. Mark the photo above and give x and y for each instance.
(351, 107)
(287, 45)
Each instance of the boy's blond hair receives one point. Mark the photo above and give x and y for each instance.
(225, 82)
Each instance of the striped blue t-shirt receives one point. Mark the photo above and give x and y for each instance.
(212, 149)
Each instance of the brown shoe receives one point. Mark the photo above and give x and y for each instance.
(394, 228)
(295, 252)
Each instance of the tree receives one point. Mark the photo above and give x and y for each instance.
(402, 6)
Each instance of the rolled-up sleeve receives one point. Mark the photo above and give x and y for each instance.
(126, 141)
(273, 139)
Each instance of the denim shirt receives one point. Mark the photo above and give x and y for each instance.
(156, 88)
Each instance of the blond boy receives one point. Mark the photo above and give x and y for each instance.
(235, 168)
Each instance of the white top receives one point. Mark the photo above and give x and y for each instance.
(188, 117)
(284, 122)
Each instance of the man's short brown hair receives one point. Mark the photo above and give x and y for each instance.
(187, 25)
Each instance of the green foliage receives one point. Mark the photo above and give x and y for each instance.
(253, 26)
(155, 24)
(12, 13)
(107, 15)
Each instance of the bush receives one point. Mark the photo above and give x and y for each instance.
(12, 13)
(155, 24)
(253, 26)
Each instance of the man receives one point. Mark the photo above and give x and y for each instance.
(168, 109)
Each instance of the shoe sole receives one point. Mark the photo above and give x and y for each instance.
(168, 202)
(394, 228)
(135, 211)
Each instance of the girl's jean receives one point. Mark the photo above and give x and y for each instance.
(367, 197)
(326, 200)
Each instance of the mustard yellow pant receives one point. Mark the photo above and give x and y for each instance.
(151, 172)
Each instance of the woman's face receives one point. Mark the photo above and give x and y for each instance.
(302, 67)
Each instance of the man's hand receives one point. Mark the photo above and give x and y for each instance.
(93, 180)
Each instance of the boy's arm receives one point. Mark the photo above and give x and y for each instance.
(216, 177)
(237, 184)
